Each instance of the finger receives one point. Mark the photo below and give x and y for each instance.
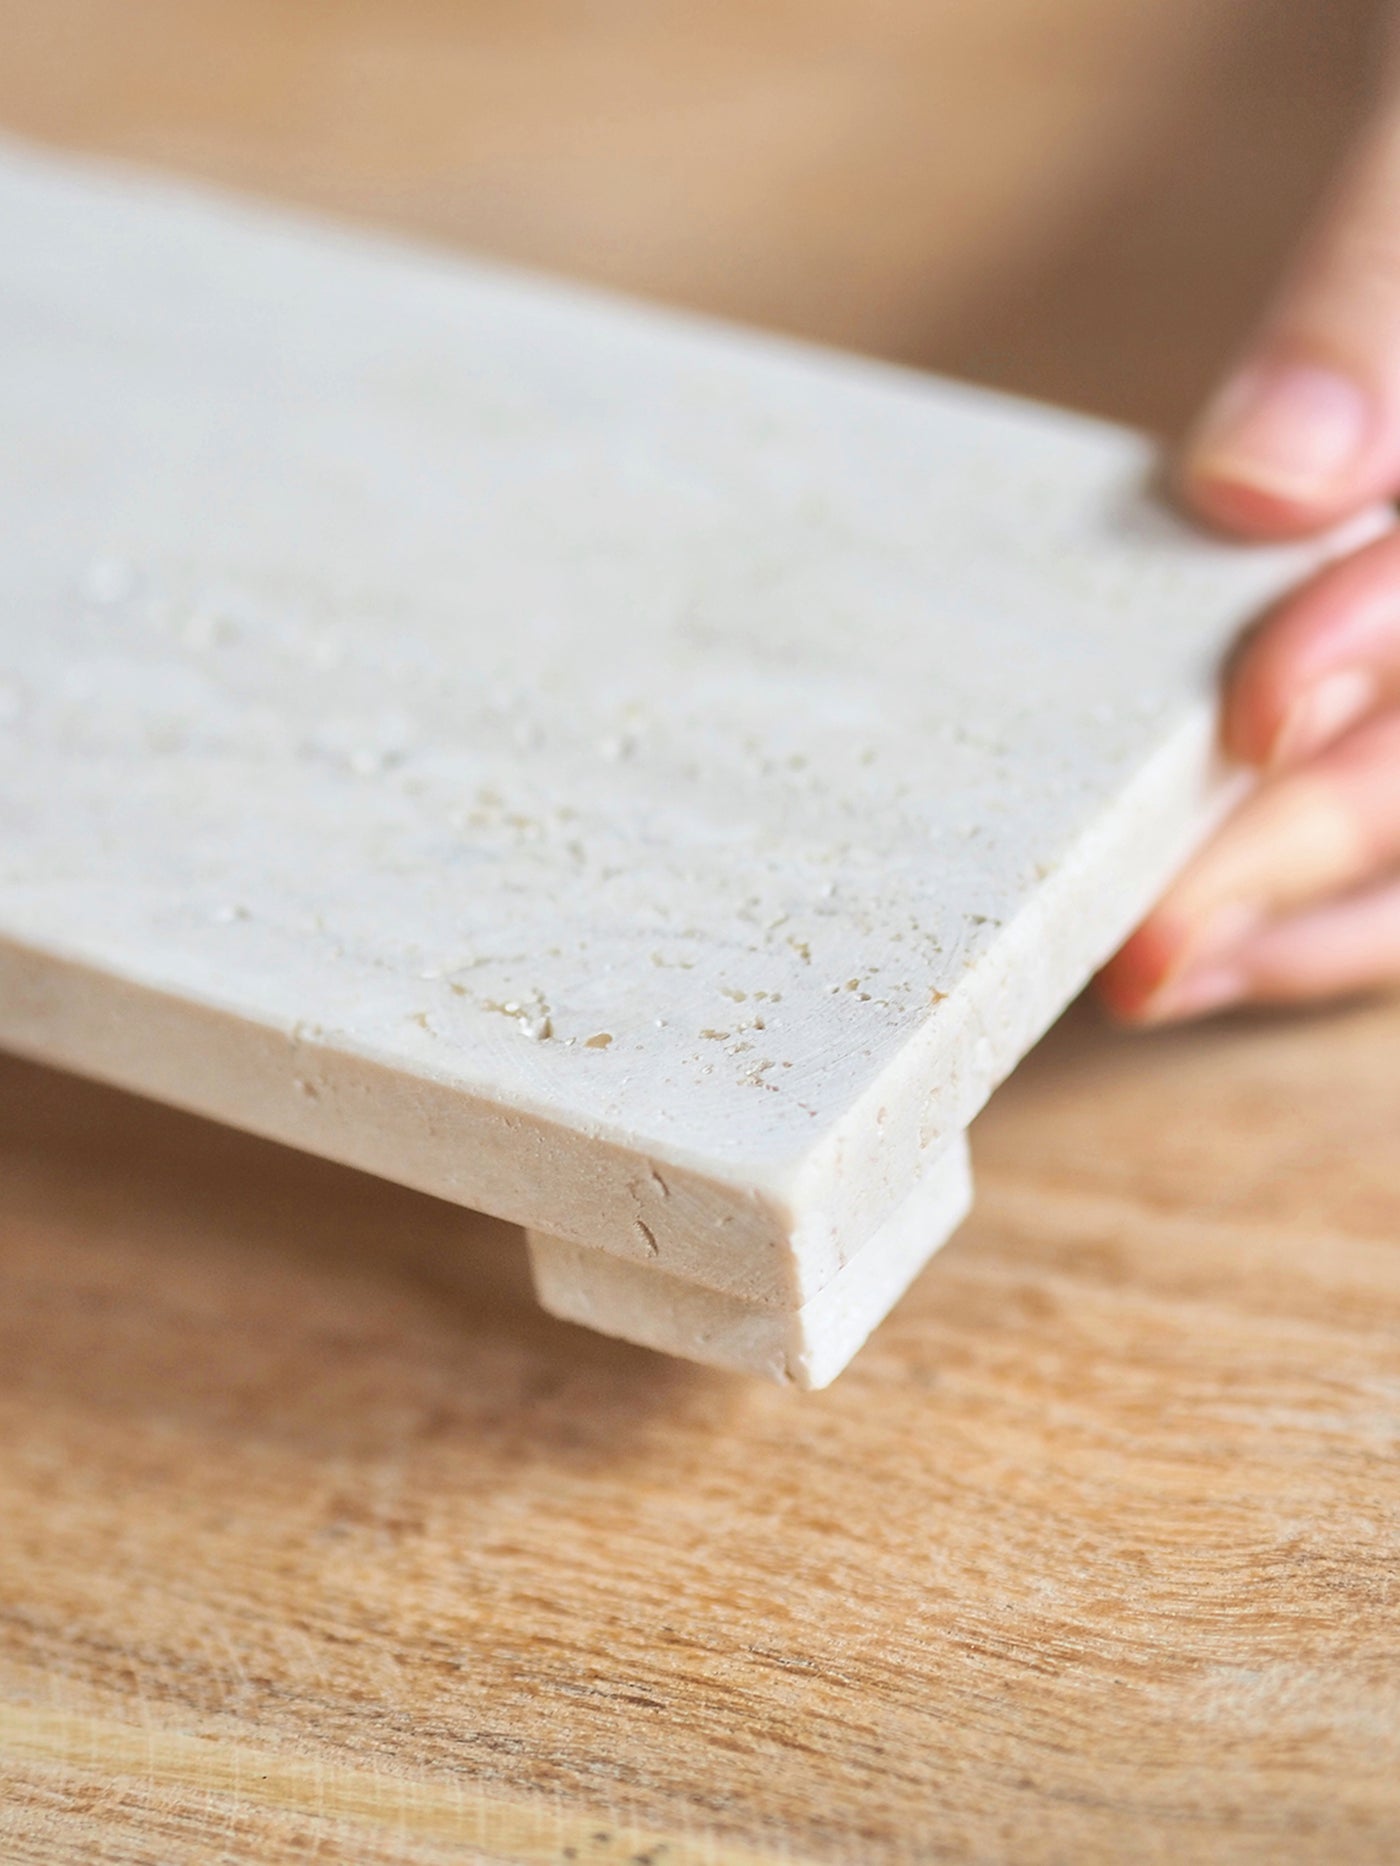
(1352, 945)
(1308, 836)
(1308, 429)
(1328, 657)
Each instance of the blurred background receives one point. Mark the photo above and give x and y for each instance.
(1083, 200)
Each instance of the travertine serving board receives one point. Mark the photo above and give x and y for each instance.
(644, 780)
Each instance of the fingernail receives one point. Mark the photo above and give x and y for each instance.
(1288, 428)
(1322, 713)
(1198, 993)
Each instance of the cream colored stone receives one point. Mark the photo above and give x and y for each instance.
(645, 780)
(807, 1345)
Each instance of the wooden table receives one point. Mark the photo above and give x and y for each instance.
(318, 1541)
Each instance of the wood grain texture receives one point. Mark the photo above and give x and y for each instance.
(318, 1541)
(318, 1532)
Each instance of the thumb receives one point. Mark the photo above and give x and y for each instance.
(1308, 428)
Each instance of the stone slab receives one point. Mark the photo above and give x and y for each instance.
(643, 779)
(807, 1345)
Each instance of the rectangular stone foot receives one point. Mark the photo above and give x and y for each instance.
(807, 1344)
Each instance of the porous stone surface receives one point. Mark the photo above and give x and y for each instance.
(646, 780)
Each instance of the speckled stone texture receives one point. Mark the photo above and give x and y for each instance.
(645, 780)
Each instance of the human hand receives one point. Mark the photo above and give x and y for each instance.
(1298, 896)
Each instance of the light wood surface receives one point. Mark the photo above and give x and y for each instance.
(318, 1541)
